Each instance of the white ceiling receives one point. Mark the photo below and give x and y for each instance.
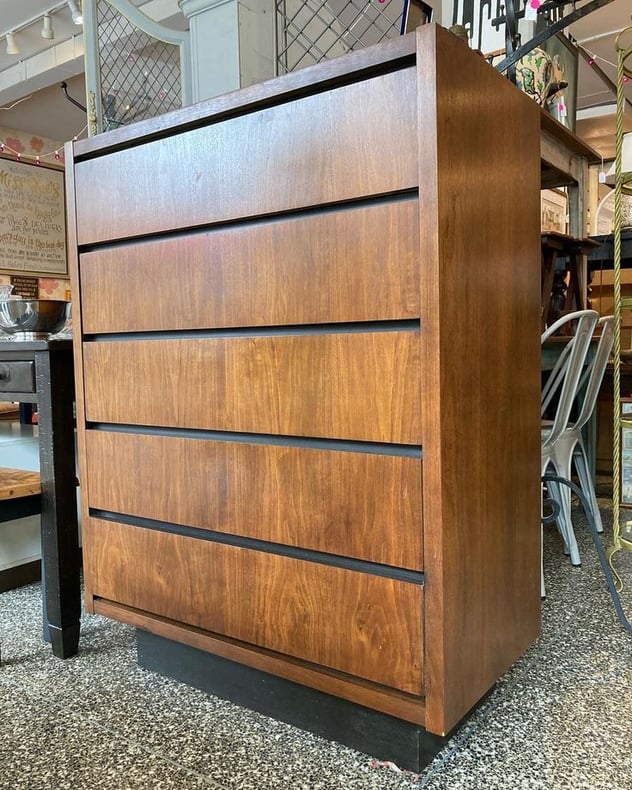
(596, 33)
(31, 98)
(42, 109)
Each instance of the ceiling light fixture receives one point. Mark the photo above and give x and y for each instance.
(12, 47)
(47, 27)
(77, 16)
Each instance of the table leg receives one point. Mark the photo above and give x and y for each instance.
(60, 540)
(549, 261)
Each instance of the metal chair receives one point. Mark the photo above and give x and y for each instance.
(558, 397)
(568, 449)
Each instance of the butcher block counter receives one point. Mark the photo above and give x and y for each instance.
(307, 360)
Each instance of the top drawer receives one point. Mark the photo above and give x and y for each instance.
(317, 150)
(17, 376)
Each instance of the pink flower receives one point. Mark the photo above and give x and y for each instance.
(14, 144)
(37, 144)
(48, 286)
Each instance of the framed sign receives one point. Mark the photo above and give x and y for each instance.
(32, 220)
(554, 207)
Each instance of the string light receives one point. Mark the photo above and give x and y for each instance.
(37, 158)
(592, 58)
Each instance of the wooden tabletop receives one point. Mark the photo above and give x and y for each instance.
(15, 483)
(562, 241)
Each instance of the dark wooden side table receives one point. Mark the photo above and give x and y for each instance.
(602, 256)
(556, 246)
(41, 372)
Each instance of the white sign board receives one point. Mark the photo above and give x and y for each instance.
(32, 220)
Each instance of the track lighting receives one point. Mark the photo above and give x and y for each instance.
(77, 16)
(47, 27)
(12, 47)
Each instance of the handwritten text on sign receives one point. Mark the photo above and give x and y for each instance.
(32, 219)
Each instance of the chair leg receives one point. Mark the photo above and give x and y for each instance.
(586, 484)
(542, 585)
(564, 524)
(562, 462)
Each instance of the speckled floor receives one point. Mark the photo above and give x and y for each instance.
(561, 718)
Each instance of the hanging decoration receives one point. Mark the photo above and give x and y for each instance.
(622, 535)
(56, 155)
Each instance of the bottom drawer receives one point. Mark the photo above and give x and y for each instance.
(364, 625)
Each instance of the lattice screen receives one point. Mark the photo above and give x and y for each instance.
(140, 75)
(309, 31)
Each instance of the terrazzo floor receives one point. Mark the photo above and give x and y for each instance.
(560, 718)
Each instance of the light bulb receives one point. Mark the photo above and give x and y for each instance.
(47, 27)
(77, 16)
(12, 47)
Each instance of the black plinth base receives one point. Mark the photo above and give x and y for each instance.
(386, 738)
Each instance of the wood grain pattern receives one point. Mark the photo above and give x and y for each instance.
(278, 159)
(359, 385)
(16, 483)
(481, 362)
(353, 66)
(360, 624)
(332, 501)
(349, 265)
(466, 386)
(387, 700)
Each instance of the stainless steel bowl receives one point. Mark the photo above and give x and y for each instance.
(33, 319)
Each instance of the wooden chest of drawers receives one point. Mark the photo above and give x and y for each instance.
(308, 375)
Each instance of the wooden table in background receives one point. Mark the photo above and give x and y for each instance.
(556, 246)
(41, 372)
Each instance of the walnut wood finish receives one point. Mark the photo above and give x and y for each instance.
(480, 358)
(358, 385)
(15, 483)
(288, 205)
(380, 698)
(354, 622)
(354, 264)
(259, 163)
(326, 500)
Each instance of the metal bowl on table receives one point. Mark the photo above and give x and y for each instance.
(33, 319)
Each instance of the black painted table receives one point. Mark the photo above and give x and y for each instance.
(602, 257)
(41, 372)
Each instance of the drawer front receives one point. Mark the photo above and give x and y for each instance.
(354, 265)
(339, 502)
(17, 376)
(354, 385)
(317, 150)
(366, 626)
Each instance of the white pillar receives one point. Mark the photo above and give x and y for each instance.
(232, 44)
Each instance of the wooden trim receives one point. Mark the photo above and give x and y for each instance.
(385, 700)
(351, 67)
